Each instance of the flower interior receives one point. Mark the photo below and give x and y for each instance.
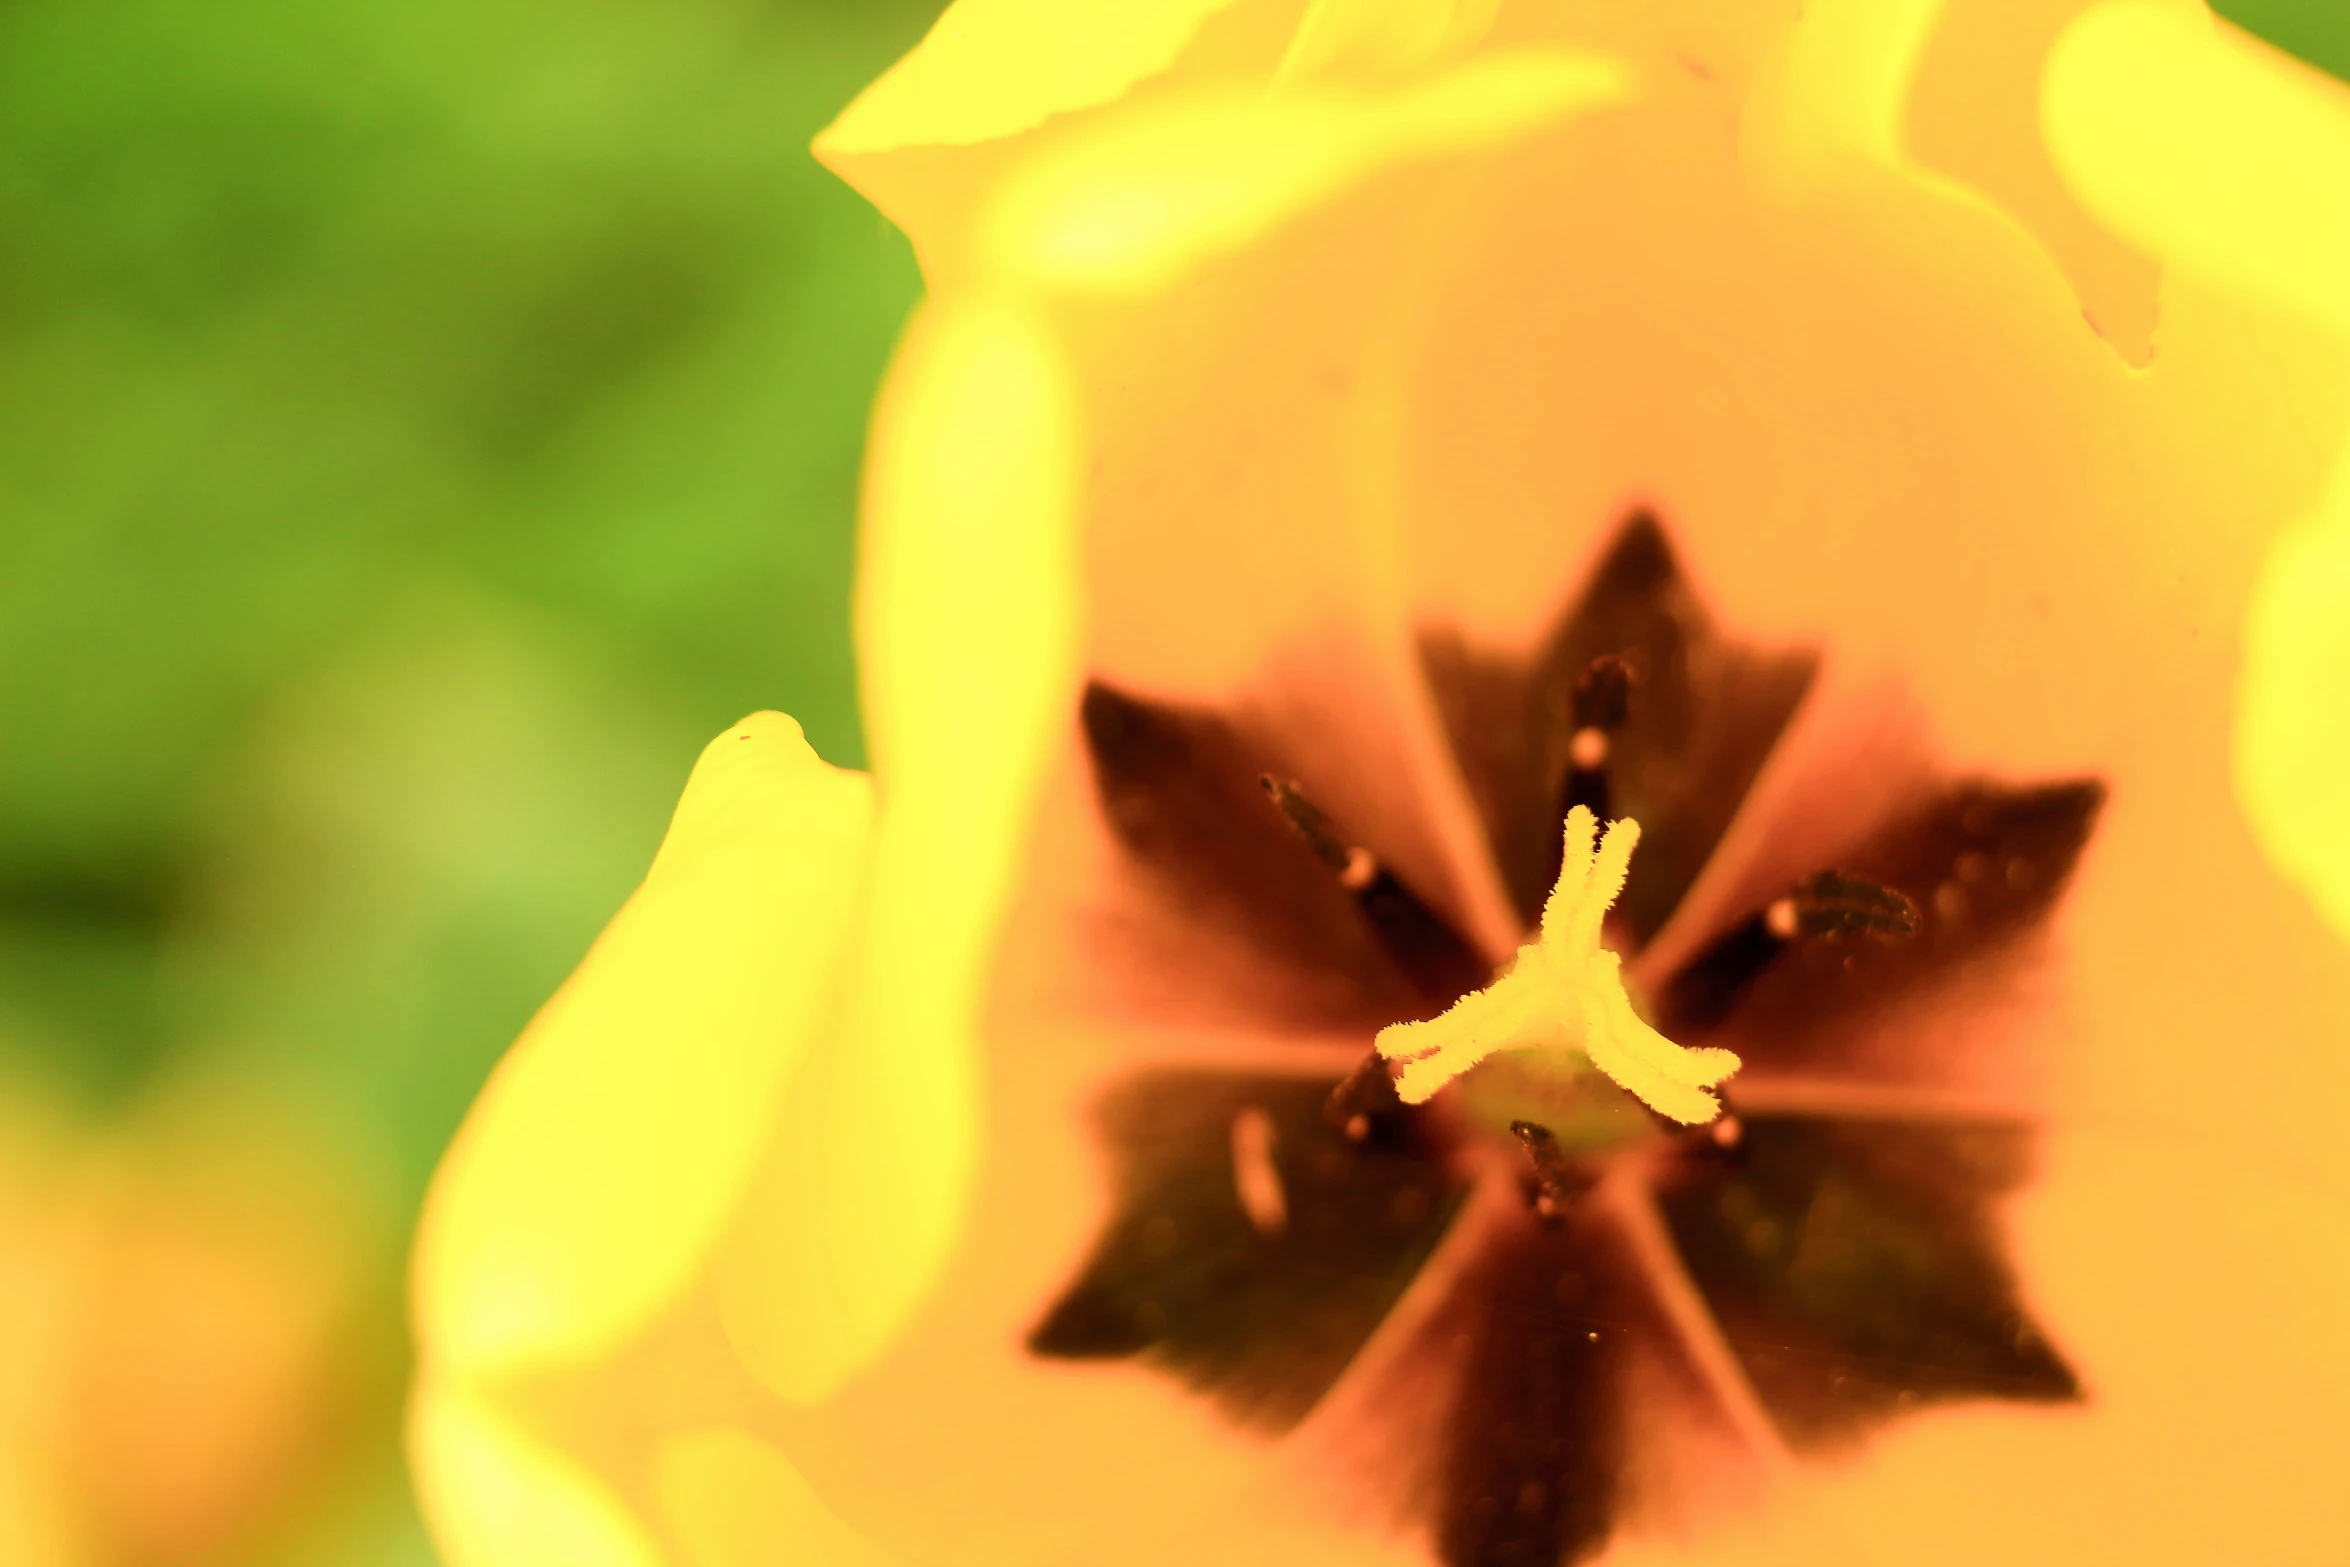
(1561, 999)
(1525, 1218)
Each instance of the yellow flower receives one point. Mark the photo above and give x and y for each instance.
(988, 1162)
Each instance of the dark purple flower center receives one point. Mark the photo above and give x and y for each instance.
(1267, 1227)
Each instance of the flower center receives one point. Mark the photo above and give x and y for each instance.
(1267, 1224)
(1561, 1002)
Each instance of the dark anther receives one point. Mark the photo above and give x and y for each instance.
(1703, 712)
(1603, 693)
(1440, 963)
(1828, 906)
(1598, 704)
(1556, 1182)
(1312, 823)
(1833, 904)
(1363, 1099)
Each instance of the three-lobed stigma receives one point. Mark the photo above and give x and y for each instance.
(1564, 995)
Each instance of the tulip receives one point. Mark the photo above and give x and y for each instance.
(1847, 505)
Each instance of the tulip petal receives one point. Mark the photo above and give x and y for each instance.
(734, 1501)
(1179, 788)
(1983, 865)
(1262, 1312)
(2293, 721)
(1376, 37)
(1565, 1354)
(1973, 116)
(2234, 161)
(968, 630)
(1839, 90)
(1134, 208)
(1703, 715)
(496, 1498)
(2211, 150)
(991, 68)
(1855, 1270)
(2202, 1290)
(601, 1161)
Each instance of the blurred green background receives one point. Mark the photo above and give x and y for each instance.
(421, 427)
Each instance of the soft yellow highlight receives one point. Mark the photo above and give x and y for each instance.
(992, 68)
(1135, 207)
(1377, 37)
(2214, 152)
(731, 1500)
(496, 1498)
(1565, 993)
(2226, 159)
(968, 622)
(598, 1166)
(2293, 713)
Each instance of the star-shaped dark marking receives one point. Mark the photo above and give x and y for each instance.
(1263, 1318)
(1265, 1225)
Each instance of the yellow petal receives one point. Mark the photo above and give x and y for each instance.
(1381, 36)
(33, 1528)
(602, 1159)
(2207, 1327)
(2233, 161)
(968, 625)
(991, 68)
(1973, 116)
(734, 1501)
(1840, 89)
(496, 1498)
(1136, 206)
(2213, 151)
(2292, 738)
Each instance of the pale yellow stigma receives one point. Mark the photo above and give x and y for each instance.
(1564, 993)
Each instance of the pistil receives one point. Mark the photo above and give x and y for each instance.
(1563, 997)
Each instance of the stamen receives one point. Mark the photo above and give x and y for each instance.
(1427, 949)
(1363, 1093)
(1832, 903)
(1565, 994)
(1599, 703)
(1603, 693)
(1255, 1178)
(1557, 1182)
(1829, 906)
(1313, 824)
